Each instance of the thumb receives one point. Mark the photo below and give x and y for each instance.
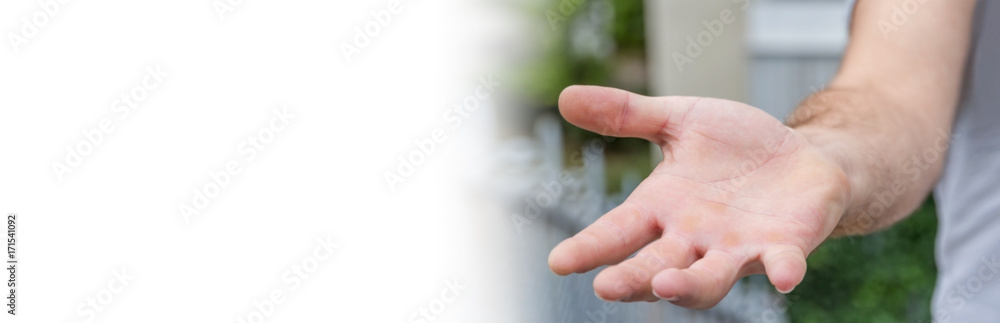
(620, 113)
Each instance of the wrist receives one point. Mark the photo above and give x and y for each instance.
(849, 182)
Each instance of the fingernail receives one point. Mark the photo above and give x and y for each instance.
(603, 299)
(671, 299)
(787, 291)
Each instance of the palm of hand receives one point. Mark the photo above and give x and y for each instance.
(737, 193)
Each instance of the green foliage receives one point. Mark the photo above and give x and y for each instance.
(629, 27)
(883, 277)
(544, 80)
(559, 67)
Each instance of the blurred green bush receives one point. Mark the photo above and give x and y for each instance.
(882, 277)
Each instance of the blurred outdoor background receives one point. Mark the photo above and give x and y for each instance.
(558, 178)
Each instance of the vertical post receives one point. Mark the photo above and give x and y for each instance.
(696, 48)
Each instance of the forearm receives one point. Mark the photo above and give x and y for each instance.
(886, 117)
(891, 156)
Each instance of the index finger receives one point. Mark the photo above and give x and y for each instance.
(611, 239)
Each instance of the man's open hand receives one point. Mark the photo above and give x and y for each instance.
(737, 193)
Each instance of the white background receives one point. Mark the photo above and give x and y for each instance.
(323, 176)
